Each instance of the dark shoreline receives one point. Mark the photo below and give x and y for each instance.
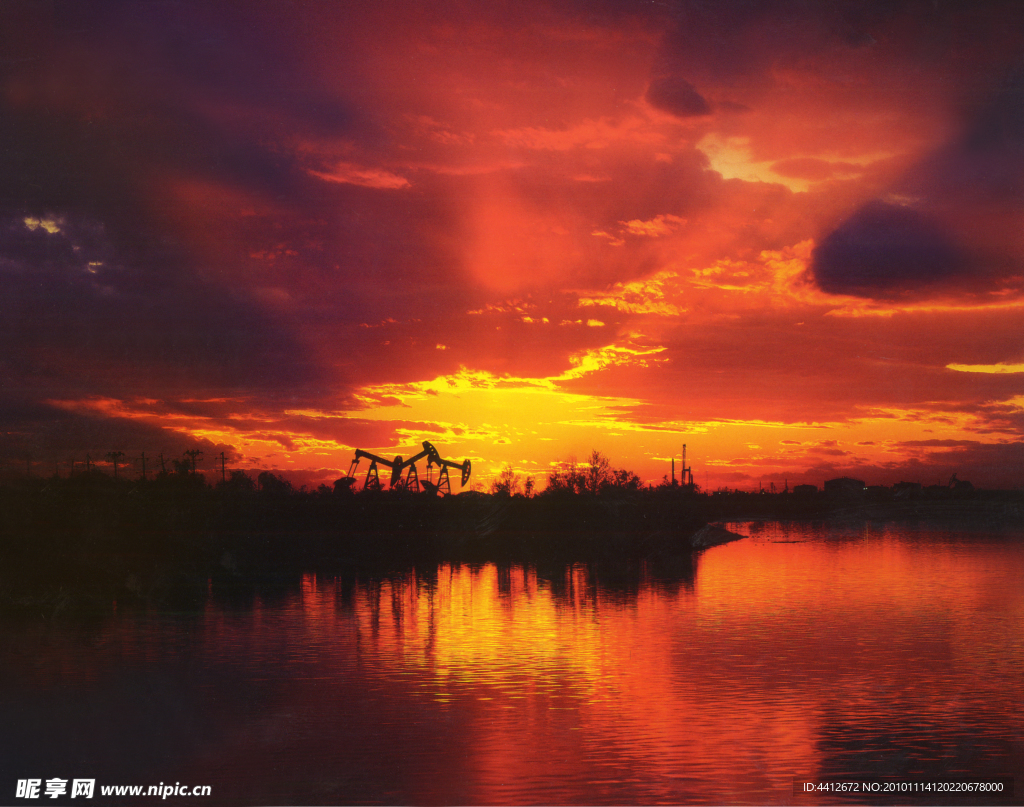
(79, 545)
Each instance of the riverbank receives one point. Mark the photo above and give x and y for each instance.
(78, 545)
(84, 543)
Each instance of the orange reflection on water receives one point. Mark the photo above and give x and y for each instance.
(789, 657)
(801, 651)
(483, 626)
(578, 684)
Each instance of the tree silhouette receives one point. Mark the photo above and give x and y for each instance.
(596, 477)
(597, 473)
(625, 480)
(567, 478)
(273, 484)
(507, 483)
(238, 482)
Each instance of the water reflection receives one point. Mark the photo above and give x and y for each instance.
(803, 651)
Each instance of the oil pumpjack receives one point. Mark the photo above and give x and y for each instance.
(398, 465)
(372, 474)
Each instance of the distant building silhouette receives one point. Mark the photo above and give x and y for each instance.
(960, 487)
(845, 486)
(906, 490)
(805, 490)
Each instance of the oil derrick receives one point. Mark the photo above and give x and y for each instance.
(411, 480)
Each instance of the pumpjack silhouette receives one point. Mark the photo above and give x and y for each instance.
(411, 480)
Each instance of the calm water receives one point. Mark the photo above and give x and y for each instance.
(803, 651)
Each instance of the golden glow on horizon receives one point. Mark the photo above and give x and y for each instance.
(496, 421)
(862, 308)
(532, 422)
(986, 368)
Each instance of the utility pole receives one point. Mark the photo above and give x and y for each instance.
(193, 453)
(114, 456)
(88, 463)
(143, 458)
(223, 473)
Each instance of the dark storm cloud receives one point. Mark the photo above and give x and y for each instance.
(735, 40)
(677, 96)
(986, 162)
(116, 92)
(953, 232)
(45, 434)
(110, 101)
(217, 47)
(119, 103)
(104, 106)
(788, 31)
(884, 249)
(72, 309)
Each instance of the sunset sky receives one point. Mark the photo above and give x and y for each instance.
(786, 234)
